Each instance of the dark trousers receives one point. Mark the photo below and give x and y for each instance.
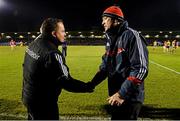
(127, 111)
(43, 111)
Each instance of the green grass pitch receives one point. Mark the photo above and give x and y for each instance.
(162, 86)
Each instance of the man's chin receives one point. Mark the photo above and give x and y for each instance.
(62, 41)
(105, 30)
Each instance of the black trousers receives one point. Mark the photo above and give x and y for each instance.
(127, 111)
(43, 111)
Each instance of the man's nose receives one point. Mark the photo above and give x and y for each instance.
(102, 23)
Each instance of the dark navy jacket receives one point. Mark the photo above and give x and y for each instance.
(125, 63)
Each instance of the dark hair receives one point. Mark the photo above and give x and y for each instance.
(49, 25)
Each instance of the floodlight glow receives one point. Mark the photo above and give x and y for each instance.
(157, 36)
(92, 35)
(33, 36)
(147, 36)
(2, 3)
(177, 36)
(69, 36)
(161, 32)
(21, 36)
(166, 36)
(8, 37)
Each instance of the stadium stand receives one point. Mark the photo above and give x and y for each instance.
(88, 37)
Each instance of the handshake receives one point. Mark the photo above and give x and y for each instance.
(89, 87)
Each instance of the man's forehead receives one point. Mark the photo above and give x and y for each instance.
(106, 17)
(60, 24)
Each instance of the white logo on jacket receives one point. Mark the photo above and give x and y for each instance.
(107, 44)
(63, 67)
(32, 54)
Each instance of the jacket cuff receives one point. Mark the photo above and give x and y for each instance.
(134, 80)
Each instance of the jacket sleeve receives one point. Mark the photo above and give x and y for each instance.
(101, 74)
(137, 55)
(64, 79)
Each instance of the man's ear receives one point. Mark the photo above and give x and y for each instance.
(53, 33)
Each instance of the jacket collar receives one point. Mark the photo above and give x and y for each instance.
(51, 39)
(117, 29)
(113, 33)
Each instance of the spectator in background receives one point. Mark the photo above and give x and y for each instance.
(177, 44)
(45, 73)
(12, 43)
(168, 45)
(21, 43)
(173, 46)
(165, 46)
(154, 44)
(125, 63)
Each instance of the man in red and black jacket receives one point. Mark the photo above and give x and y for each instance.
(45, 73)
(125, 63)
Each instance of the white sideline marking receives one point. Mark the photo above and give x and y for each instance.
(12, 115)
(76, 118)
(65, 118)
(164, 67)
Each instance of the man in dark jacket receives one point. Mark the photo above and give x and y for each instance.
(45, 73)
(125, 63)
